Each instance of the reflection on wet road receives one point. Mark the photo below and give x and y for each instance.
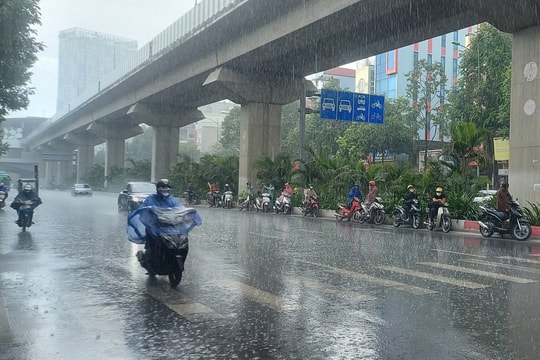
(261, 286)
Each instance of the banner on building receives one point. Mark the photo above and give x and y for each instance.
(501, 149)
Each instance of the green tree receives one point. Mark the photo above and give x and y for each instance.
(424, 87)
(230, 133)
(394, 134)
(482, 94)
(18, 52)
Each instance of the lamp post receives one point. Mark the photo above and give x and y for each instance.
(477, 57)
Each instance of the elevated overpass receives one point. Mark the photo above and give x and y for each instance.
(257, 53)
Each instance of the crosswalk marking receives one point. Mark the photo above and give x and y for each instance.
(262, 297)
(438, 278)
(478, 272)
(331, 289)
(460, 253)
(182, 305)
(266, 236)
(372, 279)
(504, 266)
(529, 261)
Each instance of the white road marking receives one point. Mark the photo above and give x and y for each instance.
(6, 336)
(334, 290)
(433, 277)
(504, 266)
(529, 261)
(478, 272)
(372, 279)
(460, 253)
(257, 295)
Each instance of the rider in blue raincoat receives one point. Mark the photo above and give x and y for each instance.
(354, 192)
(144, 222)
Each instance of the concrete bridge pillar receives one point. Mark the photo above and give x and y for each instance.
(85, 143)
(166, 124)
(260, 136)
(115, 134)
(524, 164)
(261, 97)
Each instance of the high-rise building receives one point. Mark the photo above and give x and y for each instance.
(84, 58)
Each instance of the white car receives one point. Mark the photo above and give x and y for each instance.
(81, 190)
(484, 196)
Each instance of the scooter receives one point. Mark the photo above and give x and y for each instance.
(352, 213)
(284, 205)
(262, 202)
(443, 220)
(214, 199)
(228, 199)
(164, 232)
(311, 207)
(373, 212)
(491, 221)
(247, 204)
(413, 218)
(191, 197)
(25, 212)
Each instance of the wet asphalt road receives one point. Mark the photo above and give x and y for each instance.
(261, 286)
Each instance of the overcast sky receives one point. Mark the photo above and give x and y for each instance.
(139, 20)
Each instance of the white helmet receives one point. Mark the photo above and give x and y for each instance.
(27, 187)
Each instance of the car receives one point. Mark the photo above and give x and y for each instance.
(81, 190)
(133, 194)
(345, 105)
(484, 196)
(328, 104)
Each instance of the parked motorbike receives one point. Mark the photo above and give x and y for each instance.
(311, 206)
(247, 204)
(373, 212)
(228, 199)
(191, 197)
(3, 197)
(443, 220)
(413, 218)
(25, 212)
(352, 213)
(214, 199)
(262, 202)
(164, 232)
(491, 221)
(284, 205)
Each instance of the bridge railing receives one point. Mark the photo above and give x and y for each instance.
(202, 14)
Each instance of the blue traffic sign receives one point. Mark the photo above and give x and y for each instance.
(350, 106)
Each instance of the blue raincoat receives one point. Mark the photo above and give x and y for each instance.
(156, 221)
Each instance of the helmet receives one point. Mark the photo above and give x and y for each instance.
(163, 184)
(372, 183)
(27, 187)
(226, 185)
(286, 183)
(356, 183)
(410, 187)
(311, 186)
(439, 189)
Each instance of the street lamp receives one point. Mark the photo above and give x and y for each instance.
(477, 57)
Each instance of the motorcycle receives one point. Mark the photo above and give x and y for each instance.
(311, 206)
(164, 232)
(25, 212)
(262, 202)
(413, 218)
(373, 212)
(352, 213)
(247, 204)
(3, 196)
(191, 197)
(228, 199)
(443, 220)
(284, 205)
(491, 221)
(214, 199)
